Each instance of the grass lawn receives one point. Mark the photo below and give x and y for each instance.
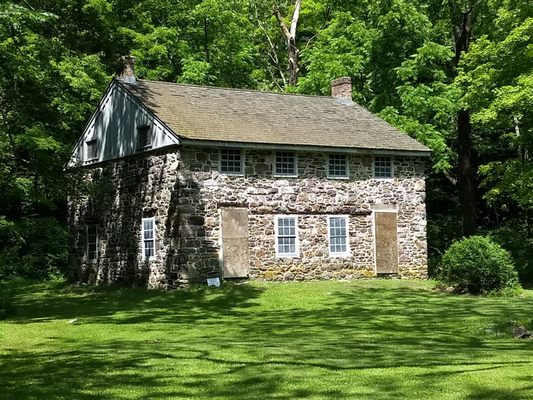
(382, 339)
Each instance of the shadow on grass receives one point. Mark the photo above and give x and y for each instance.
(207, 343)
(125, 305)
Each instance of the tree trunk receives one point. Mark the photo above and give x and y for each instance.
(206, 40)
(463, 21)
(465, 174)
(293, 63)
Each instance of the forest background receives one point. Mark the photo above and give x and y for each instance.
(457, 75)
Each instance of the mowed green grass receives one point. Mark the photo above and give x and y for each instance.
(377, 339)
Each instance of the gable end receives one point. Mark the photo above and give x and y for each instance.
(114, 129)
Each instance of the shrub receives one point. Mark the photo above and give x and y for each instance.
(477, 265)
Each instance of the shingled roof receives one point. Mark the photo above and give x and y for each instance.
(255, 117)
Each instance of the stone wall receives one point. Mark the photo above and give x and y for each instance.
(116, 196)
(184, 192)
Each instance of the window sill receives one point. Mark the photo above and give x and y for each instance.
(339, 178)
(284, 176)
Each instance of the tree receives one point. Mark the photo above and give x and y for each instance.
(45, 93)
(289, 35)
(498, 73)
(463, 17)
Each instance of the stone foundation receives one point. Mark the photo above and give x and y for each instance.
(183, 190)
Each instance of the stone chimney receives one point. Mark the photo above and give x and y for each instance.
(341, 89)
(127, 69)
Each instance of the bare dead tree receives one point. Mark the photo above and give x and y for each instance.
(289, 35)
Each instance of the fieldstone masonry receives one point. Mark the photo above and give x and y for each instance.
(183, 190)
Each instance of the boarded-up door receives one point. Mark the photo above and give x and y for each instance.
(234, 229)
(386, 242)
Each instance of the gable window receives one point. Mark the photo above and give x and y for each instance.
(286, 236)
(148, 238)
(382, 167)
(338, 236)
(285, 163)
(337, 166)
(231, 161)
(92, 243)
(144, 136)
(91, 149)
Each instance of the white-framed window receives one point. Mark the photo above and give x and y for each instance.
(338, 236)
(382, 167)
(337, 166)
(91, 149)
(286, 236)
(148, 238)
(285, 163)
(231, 161)
(144, 136)
(92, 243)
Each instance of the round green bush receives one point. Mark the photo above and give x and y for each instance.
(477, 265)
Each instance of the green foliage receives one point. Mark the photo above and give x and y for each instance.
(341, 49)
(498, 76)
(517, 238)
(32, 248)
(424, 132)
(47, 90)
(477, 265)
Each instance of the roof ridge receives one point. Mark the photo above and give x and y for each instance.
(238, 89)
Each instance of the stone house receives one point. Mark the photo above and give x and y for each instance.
(186, 182)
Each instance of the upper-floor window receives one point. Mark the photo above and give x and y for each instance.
(337, 166)
(285, 163)
(144, 136)
(92, 243)
(382, 167)
(91, 151)
(231, 161)
(148, 238)
(338, 236)
(286, 236)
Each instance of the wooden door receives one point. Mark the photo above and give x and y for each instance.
(386, 241)
(234, 231)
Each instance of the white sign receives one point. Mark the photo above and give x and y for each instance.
(213, 282)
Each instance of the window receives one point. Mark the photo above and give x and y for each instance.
(285, 164)
(231, 161)
(92, 243)
(338, 236)
(286, 237)
(144, 136)
(148, 243)
(92, 149)
(337, 166)
(382, 167)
